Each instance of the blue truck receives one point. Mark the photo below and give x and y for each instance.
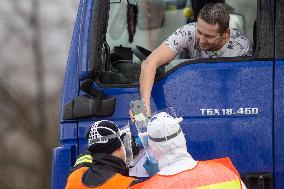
(231, 106)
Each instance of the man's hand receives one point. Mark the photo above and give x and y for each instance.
(131, 113)
(147, 107)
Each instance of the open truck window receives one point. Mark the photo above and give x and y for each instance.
(132, 31)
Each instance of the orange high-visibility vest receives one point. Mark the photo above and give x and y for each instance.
(118, 181)
(211, 174)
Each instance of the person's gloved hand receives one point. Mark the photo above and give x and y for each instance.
(141, 139)
(151, 166)
(138, 142)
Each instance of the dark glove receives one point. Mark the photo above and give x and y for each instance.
(151, 166)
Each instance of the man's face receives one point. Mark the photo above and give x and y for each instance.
(208, 36)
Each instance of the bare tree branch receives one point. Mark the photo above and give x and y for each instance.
(16, 104)
(9, 18)
(29, 116)
(4, 184)
(23, 126)
(38, 63)
(18, 10)
(19, 164)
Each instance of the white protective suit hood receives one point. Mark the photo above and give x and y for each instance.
(168, 145)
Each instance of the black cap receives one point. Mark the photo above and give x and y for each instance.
(99, 129)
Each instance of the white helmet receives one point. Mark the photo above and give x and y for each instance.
(163, 127)
(166, 139)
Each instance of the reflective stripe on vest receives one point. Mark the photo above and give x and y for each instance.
(118, 181)
(234, 184)
(211, 174)
(84, 159)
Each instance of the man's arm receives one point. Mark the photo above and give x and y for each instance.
(160, 56)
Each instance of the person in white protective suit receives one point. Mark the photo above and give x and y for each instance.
(177, 167)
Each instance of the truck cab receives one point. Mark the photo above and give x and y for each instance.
(231, 106)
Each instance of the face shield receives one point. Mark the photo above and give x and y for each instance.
(161, 132)
(126, 138)
(124, 135)
(167, 140)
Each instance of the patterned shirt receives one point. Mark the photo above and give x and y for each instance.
(184, 40)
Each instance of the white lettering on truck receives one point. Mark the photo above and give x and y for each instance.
(229, 111)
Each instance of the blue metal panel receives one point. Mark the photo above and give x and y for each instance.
(85, 40)
(62, 161)
(83, 9)
(247, 140)
(82, 133)
(71, 81)
(64, 156)
(279, 125)
(68, 133)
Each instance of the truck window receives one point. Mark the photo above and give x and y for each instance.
(156, 21)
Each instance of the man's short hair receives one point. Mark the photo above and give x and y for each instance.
(215, 13)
